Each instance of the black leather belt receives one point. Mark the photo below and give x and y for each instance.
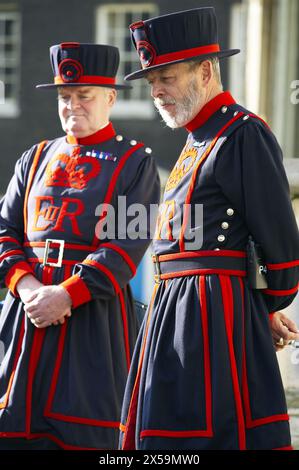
(189, 263)
(55, 252)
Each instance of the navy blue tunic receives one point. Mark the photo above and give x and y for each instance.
(66, 382)
(204, 373)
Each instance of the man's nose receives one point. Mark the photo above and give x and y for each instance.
(157, 90)
(73, 102)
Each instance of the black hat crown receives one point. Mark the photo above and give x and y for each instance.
(77, 64)
(176, 37)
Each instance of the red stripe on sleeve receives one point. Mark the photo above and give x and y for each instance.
(123, 254)
(16, 272)
(77, 290)
(106, 271)
(279, 293)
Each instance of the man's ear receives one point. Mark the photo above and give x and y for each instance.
(206, 72)
(112, 94)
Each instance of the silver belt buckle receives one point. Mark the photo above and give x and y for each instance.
(58, 263)
(156, 261)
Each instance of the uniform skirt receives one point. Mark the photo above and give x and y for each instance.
(204, 373)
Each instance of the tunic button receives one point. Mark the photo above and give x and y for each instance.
(216, 249)
(224, 225)
(221, 238)
(119, 138)
(224, 109)
(230, 211)
(235, 113)
(133, 142)
(245, 117)
(148, 150)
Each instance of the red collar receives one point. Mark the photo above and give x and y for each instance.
(223, 99)
(100, 136)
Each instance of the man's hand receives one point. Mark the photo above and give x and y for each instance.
(283, 329)
(26, 286)
(48, 305)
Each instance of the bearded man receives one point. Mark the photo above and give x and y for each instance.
(204, 373)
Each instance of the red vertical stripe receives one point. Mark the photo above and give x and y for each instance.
(228, 307)
(130, 428)
(194, 176)
(4, 403)
(56, 368)
(30, 181)
(38, 338)
(250, 422)
(206, 345)
(112, 185)
(125, 327)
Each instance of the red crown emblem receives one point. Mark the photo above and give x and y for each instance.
(71, 171)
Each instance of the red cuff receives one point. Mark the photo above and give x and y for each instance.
(271, 316)
(77, 289)
(15, 274)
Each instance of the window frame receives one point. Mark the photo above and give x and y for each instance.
(9, 107)
(132, 108)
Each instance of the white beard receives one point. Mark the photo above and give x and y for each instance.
(185, 109)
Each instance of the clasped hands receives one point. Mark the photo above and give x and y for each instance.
(44, 305)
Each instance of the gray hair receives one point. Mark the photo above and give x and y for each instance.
(193, 64)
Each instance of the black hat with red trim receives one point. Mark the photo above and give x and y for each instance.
(177, 37)
(76, 64)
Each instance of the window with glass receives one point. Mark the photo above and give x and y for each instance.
(9, 62)
(112, 27)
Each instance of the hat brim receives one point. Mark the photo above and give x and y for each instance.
(141, 73)
(47, 86)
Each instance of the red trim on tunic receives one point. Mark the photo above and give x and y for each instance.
(106, 133)
(223, 99)
(112, 185)
(15, 274)
(174, 434)
(48, 408)
(278, 293)
(286, 265)
(123, 254)
(119, 292)
(53, 260)
(4, 403)
(128, 442)
(260, 119)
(197, 272)
(30, 181)
(228, 307)
(284, 448)
(208, 432)
(71, 246)
(36, 348)
(9, 240)
(9, 253)
(198, 254)
(67, 272)
(105, 270)
(37, 343)
(47, 275)
(125, 328)
(77, 290)
(249, 421)
(11, 435)
(194, 176)
(207, 363)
